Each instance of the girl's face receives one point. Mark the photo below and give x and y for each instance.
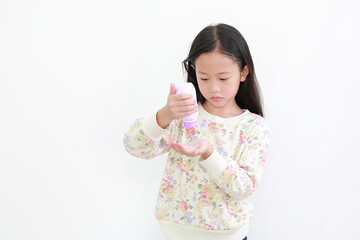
(219, 79)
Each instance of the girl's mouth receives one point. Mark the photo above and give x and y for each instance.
(216, 99)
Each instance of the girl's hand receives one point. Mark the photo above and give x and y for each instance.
(198, 147)
(177, 106)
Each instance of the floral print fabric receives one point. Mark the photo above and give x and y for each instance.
(188, 194)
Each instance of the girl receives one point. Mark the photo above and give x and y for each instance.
(212, 168)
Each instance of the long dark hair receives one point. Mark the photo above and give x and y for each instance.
(229, 41)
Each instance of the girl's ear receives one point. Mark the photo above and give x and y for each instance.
(244, 73)
(192, 66)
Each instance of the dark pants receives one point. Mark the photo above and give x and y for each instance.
(245, 238)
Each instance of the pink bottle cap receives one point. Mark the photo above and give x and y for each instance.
(190, 124)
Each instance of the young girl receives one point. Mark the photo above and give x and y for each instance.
(212, 168)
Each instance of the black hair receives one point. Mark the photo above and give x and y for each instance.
(229, 41)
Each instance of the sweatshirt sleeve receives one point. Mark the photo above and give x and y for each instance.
(146, 139)
(241, 177)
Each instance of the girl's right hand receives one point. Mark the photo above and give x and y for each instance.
(177, 106)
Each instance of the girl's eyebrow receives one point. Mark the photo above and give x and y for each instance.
(220, 73)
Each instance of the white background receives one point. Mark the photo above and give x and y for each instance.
(75, 74)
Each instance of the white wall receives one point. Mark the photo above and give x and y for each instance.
(75, 74)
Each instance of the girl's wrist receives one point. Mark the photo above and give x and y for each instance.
(161, 118)
(208, 152)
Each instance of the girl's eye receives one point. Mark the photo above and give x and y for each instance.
(204, 79)
(223, 79)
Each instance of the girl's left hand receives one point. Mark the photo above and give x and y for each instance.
(198, 147)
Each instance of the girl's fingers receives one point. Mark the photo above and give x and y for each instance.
(201, 148)
(190, 102)
(187, 109)
(172, 88)
(182, 149)
(182, 102)
(190, 149)
(183, 96)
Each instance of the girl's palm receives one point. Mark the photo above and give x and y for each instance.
(191, 149)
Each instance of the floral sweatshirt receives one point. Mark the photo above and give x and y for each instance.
(211, 194)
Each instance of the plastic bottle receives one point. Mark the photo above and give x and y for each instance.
(187, 87)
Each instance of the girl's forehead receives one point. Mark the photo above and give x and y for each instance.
(214, 56)
(215, 62)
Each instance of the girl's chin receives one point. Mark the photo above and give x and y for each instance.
(214, 104)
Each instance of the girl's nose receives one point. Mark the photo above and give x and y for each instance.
(214, 86)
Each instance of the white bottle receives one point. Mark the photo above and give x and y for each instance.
(187, 87)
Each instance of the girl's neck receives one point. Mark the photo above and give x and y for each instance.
(232, 110)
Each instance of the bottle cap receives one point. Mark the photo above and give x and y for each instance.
(190, 124)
